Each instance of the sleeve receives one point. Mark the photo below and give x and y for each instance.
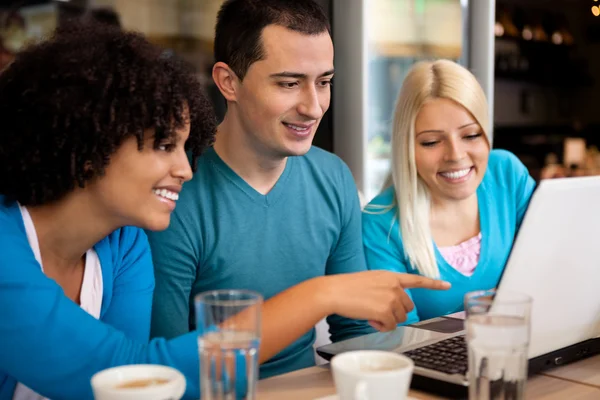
(524, 187)
(51, 345)
(176, 260)
(131, 302)
(347, 257)
(381, 252)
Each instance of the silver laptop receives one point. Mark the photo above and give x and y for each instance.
(555, 259)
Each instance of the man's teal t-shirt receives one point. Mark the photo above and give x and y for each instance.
(226, 235)
(503, 196)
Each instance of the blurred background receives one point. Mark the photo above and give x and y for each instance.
(538, 61)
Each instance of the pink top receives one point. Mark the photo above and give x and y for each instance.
(464, 256)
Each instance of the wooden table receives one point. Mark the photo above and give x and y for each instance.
(577, 381)
(586, 372)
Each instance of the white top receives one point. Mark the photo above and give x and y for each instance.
(91, 290)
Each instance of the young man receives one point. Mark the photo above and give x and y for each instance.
(267, 212)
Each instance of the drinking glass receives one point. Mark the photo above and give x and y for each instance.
(229, 323)
(498, 330)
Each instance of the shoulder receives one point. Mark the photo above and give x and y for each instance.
(323, 161)
(10, 216)
(325, 170)
(505, 169)
(127, 237)
(124, 246)
(13, 230)
(385, 198)
(381, 211)
(500, 158)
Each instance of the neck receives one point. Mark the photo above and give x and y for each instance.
(453, 222)
(250, 160)
(67, 229)
(454, 207)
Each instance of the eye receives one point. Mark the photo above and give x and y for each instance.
(165, 146)
(288, 85)
(325, 83)
(429, 143)
(473, 136)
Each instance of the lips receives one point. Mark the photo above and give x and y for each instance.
(301, 130)
(456, 174)
(167, 194)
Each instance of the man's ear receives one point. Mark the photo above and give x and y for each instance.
(226, 80)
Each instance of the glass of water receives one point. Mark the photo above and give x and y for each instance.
(229, 323)
(498, 330)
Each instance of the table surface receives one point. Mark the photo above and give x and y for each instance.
(580, 380)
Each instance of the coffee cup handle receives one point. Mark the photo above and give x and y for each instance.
(360, 391)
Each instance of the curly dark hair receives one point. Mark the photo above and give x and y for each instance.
(240, 24)
(68, 103)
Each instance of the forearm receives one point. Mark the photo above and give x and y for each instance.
(290, 314)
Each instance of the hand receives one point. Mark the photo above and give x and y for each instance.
(377, 296)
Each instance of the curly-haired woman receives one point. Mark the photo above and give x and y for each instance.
(97, 126)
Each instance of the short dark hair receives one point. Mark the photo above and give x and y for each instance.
(67, 104)
(240, 24)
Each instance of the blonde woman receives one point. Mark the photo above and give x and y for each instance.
(454, 206)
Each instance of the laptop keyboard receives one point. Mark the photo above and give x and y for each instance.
(449, 356)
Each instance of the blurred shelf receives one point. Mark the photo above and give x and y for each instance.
(540, 63)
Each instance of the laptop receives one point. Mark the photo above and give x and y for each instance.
(555, 259)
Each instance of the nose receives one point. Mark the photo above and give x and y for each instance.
(181, 168)
(455, 150)
(310, 105)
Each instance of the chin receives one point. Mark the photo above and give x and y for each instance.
(298, 150)
(461, 195)
(157, 224)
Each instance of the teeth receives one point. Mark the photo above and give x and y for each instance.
(296, 128)
(456, 174)
(167, 194)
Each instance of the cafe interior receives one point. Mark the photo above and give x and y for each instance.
(538, 62)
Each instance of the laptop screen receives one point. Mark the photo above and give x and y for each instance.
(556, 260)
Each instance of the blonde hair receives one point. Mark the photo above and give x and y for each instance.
(425, 81)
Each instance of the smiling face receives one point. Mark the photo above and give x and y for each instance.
(140, 187)
(283, 96)
(451, 150)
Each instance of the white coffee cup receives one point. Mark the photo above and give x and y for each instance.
(372, 375)
(111, 384)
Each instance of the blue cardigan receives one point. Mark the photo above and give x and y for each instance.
(503, 196)
(50, 344)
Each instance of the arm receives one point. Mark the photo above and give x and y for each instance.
(51, 345)
(349, 294)
(369, 295)
(131, 303)
(381, 252)
(347, 256)
(175, 263)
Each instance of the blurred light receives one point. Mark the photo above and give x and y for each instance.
(527, 33)
(498, 29)
(595, 11)
(557, 38)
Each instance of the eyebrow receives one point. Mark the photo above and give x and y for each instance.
(441, 131)
(298, 75)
